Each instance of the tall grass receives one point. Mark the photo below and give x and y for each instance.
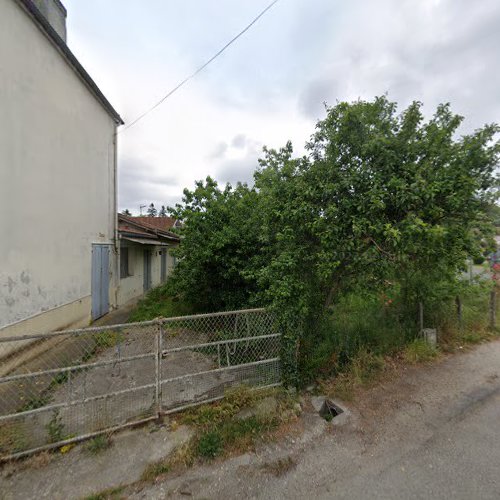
(159, 303)
(369, 322)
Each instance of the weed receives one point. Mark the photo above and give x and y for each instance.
(106, 339)
(210, 444)
(235, 399)
(158, 303)
(152, 471)
(366, 366)
(99, 443)
(419, 351)
(12, 438)
(279, 467)
(55, 428)
(35, 402)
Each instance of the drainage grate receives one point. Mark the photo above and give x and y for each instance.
(329, 410)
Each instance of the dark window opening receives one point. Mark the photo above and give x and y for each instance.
(124, 269)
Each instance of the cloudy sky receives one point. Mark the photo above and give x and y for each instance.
(270, 85)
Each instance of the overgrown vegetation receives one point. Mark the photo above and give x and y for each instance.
(160, 302)
(383, 204)
(235, 424)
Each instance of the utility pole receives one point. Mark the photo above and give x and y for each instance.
(141, 207)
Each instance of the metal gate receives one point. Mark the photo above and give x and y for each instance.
(75, 384)
(100, 280)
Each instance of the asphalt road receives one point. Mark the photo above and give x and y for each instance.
(428, 433)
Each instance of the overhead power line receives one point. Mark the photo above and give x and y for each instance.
(200, 69)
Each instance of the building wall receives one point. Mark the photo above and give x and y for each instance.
(132, 287)
(57, 182)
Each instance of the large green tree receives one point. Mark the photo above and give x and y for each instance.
(380, 195)
(220, 247)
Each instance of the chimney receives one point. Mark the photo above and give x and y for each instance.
(55, 13)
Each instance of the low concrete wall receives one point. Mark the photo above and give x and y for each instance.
(73, 315)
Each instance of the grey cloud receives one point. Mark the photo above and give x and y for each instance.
(313, 98)
(239, 170)
(138, 184)
(448, 53)
(239, 141)
(219, 151)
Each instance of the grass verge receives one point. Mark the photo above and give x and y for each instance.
(234, 425)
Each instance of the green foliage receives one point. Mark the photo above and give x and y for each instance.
(210, 444)
(235, 399)
(220, 247)
(159, 303)
(98, 444)
(55, 428)
(383, 202)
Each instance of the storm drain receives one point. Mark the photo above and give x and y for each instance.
(329, 410)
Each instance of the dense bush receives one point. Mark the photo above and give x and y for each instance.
(383, 203)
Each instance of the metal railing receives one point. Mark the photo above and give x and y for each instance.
(74, 384)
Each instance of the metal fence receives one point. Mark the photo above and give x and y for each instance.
(66, 386)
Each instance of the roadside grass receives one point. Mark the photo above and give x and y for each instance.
(363, 340)
(98, 444)
(419, 351)
(158, 303)
(234, 425)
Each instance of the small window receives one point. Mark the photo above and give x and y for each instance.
(124, 269)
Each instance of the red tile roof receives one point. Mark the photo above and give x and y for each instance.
(142, 226)
(165, 223)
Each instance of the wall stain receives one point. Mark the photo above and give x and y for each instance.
(10, 284)
(10, 301)
(25, 278)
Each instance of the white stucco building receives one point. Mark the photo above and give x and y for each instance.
(58, 224)
(146, 257)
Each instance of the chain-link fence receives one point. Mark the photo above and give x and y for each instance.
(66, 386)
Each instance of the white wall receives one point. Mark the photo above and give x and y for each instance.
(132, 287)
(57, 193)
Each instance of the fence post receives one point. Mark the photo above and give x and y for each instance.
(421, 316)
(493, 297)
(458, 302)
(159, 335)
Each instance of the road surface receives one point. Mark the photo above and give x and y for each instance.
(431, 433)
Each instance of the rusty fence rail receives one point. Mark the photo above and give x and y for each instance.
(62, 387)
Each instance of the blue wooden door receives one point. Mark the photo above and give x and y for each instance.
(100, 280)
